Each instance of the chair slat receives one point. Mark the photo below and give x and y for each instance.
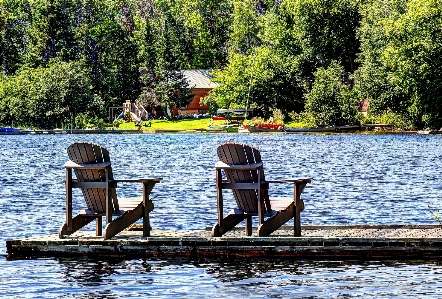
(89, 153)
(239, 154)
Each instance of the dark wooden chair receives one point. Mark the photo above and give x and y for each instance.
(243, 170)
(93, 172)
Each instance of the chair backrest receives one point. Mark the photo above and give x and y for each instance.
(90, 153)
(240, 154)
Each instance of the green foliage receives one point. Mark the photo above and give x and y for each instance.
(275, 48)
(14, 25)
(107, 50)
(85, 121)
(168, 89)
(206, 23)
(401, 50)
(45, 97)
(390, 117)
(117, 122)
(331, 102)
(62, 58)
(213, 105)
(325, 31)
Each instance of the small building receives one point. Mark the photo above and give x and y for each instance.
(201, 82)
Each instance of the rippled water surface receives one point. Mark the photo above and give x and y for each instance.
(358, 179)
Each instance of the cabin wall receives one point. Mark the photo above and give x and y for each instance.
(195, 106)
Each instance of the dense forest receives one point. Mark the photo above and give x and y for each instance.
(313, 60)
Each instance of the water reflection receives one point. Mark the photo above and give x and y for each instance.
(263, 278)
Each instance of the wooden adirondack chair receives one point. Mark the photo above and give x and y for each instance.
(244, 172)
(93, 171)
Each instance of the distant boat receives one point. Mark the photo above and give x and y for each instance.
(10, 131)
(216, 117)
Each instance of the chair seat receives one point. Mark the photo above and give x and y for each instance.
(278, 204)
(237, 211)
(125, 204)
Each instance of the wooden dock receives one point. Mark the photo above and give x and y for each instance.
(358, 242)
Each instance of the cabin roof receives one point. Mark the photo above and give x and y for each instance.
(201, 78)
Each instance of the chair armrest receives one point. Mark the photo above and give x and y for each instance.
(253, 166)
(112, 183)
(293, 181)
(143, 180)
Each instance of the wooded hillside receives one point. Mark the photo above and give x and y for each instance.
(313, 60)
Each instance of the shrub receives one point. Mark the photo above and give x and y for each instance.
(331, 101)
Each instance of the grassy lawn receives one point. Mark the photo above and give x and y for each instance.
(167, 125)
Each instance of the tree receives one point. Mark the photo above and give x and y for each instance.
(276, 47)
(262, 70)
(206, 24)
(47, 97)
(50, 33)
(245, 27)
(14, 25)
(168, 89)
(372, 77)
(401, 48)
(330, 101)
(326, 32)
(108, 51)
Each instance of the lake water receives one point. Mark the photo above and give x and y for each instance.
(358, 179)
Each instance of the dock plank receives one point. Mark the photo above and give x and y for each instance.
(330, 242)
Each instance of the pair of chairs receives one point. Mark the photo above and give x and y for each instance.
(243, 174)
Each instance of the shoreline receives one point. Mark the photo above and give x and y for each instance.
(209, 131)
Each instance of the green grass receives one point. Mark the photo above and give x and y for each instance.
(173, 125)
(292, 124)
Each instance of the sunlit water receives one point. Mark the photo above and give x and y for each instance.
(358, 179)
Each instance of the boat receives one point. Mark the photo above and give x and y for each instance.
(217, 117)
(232, 115)
(432, 132)
(10, 131)
(231, 128)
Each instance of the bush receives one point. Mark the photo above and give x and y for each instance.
(390, 117)
(331, 102)
(84, 121)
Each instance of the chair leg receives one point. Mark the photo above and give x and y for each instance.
(275, 222)
(229, 222)
(77, 222)
(99, 226)
(297, 218)
(297, 224)
(123, 222)
(249, 226)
